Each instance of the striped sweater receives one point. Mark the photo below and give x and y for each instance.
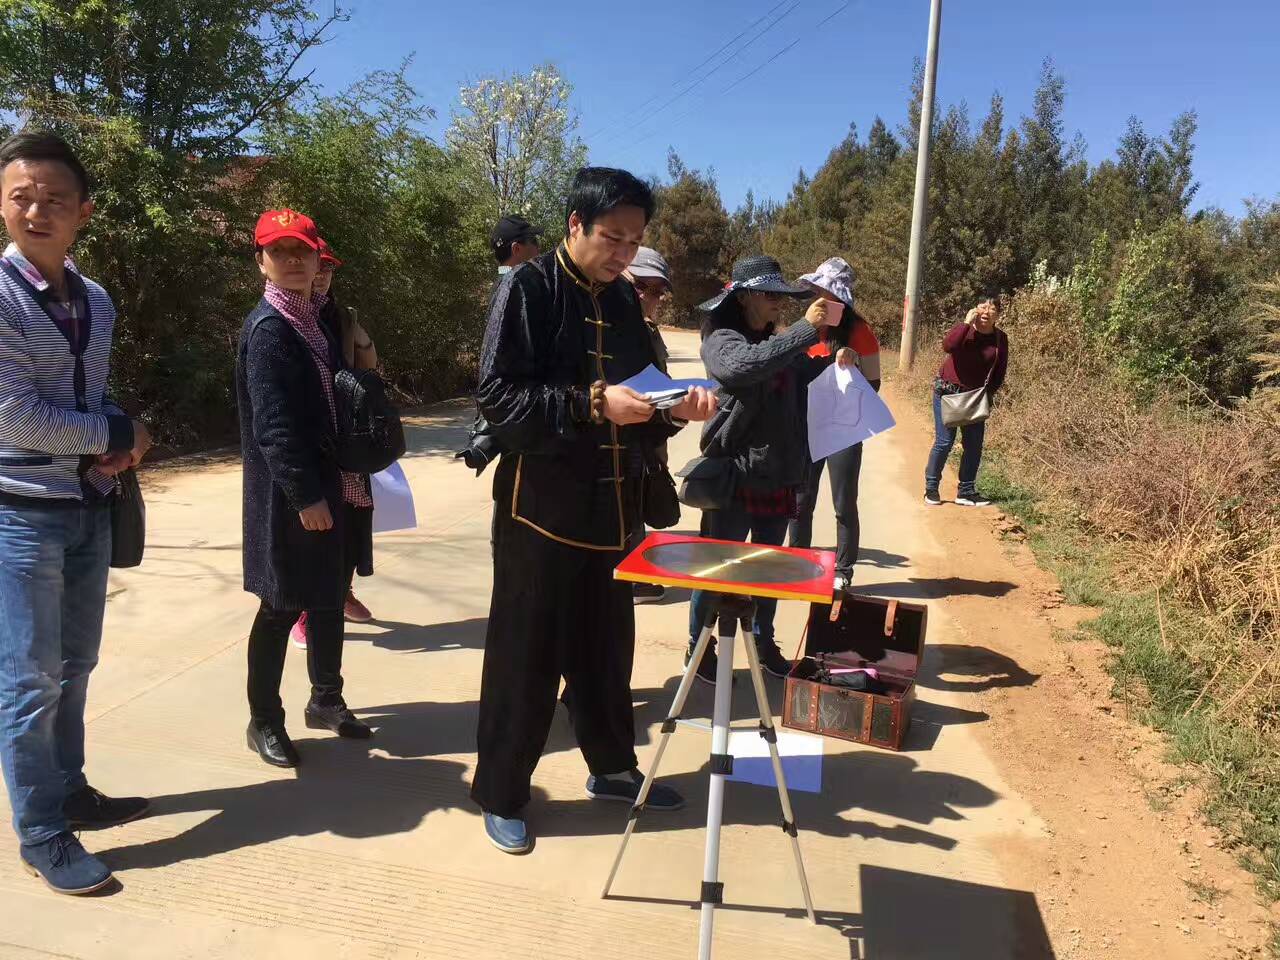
(47, 437)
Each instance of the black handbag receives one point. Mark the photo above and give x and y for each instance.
(709, 483)
(128, 522)
(661, 503)
(370, 434)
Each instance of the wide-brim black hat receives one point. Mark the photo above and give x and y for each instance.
(759, 275)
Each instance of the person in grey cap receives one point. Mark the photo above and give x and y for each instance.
(651, 278)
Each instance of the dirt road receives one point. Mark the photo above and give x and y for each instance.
(1022, 822)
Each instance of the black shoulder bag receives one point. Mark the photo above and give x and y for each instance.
(661, 505)
(128, 521)
(370, 434)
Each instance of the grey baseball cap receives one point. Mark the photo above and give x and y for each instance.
(649, 263)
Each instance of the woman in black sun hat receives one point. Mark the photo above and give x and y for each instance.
(760, 425)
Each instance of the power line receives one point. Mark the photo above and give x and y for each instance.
(629, 121)
(689, 73)
(817, 26)
(751, 73)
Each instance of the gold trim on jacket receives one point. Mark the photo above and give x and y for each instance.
(565, 260)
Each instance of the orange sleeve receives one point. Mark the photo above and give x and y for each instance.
(864, 341)
(822, 348)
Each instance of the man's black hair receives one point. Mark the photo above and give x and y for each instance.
(597, 190)
(31, 145)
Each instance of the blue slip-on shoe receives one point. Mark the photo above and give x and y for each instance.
(508, 835)
(625, 787)
(64, 865)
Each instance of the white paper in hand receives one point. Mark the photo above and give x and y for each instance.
(392, 501)
(843, 410)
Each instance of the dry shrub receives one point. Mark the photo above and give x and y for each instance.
(1189, 494)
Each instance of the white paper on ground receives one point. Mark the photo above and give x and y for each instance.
(843, 410)
(392, 501)
(801, 760)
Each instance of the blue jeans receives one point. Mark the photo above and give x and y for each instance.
(53, 589)
(735, 523)
(944, 440)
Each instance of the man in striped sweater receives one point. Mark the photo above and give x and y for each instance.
(61, 444)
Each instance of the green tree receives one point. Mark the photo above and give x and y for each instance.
(689, 230)
(1049, 175)
(397, 210)
(158, 97)
(515, 139)
(1178, 311)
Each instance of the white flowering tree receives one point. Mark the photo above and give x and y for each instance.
(515, 137)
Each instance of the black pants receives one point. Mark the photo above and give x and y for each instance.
(269, 642)
(556, 612)
(844, 469)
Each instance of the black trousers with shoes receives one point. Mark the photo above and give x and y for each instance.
(556, 613)
(269, 639)
(844, 469)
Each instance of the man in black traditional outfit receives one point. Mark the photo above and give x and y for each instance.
(564, 330)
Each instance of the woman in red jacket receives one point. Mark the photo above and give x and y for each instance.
(977, 354)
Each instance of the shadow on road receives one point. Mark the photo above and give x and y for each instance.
(981, 667)
(340, 788)
(936, 589)
(913, 916)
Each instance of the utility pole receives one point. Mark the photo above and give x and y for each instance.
(920, 212)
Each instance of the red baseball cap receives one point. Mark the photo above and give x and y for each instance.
(277, 224)
(326, 254)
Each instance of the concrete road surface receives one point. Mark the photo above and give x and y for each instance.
(373, 850)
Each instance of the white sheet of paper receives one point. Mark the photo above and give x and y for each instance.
(843, 410)
(392, 501)
(801, 760)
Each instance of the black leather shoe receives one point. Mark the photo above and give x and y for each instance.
(338, 718)
(272, 744)
(87, 809)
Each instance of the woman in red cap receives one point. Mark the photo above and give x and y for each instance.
(358, 353)
(307, 523)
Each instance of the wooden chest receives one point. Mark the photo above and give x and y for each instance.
(867, 632)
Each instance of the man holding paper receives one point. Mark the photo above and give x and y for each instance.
(562, 335)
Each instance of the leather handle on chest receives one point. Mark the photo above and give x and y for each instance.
(890, 617)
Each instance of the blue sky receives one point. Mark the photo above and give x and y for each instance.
(1120, 57)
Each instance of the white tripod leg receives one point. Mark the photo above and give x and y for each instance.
(668, 727)
(771, 736)
(712, 889)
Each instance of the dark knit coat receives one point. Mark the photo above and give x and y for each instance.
(287, 440)
(760, 422)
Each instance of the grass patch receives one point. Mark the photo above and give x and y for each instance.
(1149, 639)
(1203, 892)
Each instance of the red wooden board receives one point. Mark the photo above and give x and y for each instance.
(726, 566)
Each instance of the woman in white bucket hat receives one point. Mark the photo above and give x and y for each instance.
(853, 344)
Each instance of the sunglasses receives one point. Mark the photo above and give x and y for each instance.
(650, 288)
(768, 295)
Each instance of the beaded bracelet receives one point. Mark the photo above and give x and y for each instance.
(597, 401)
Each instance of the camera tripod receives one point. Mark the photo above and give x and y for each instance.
(732, 612)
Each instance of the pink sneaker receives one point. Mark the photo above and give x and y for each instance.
(299, 632)
(355, 611)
